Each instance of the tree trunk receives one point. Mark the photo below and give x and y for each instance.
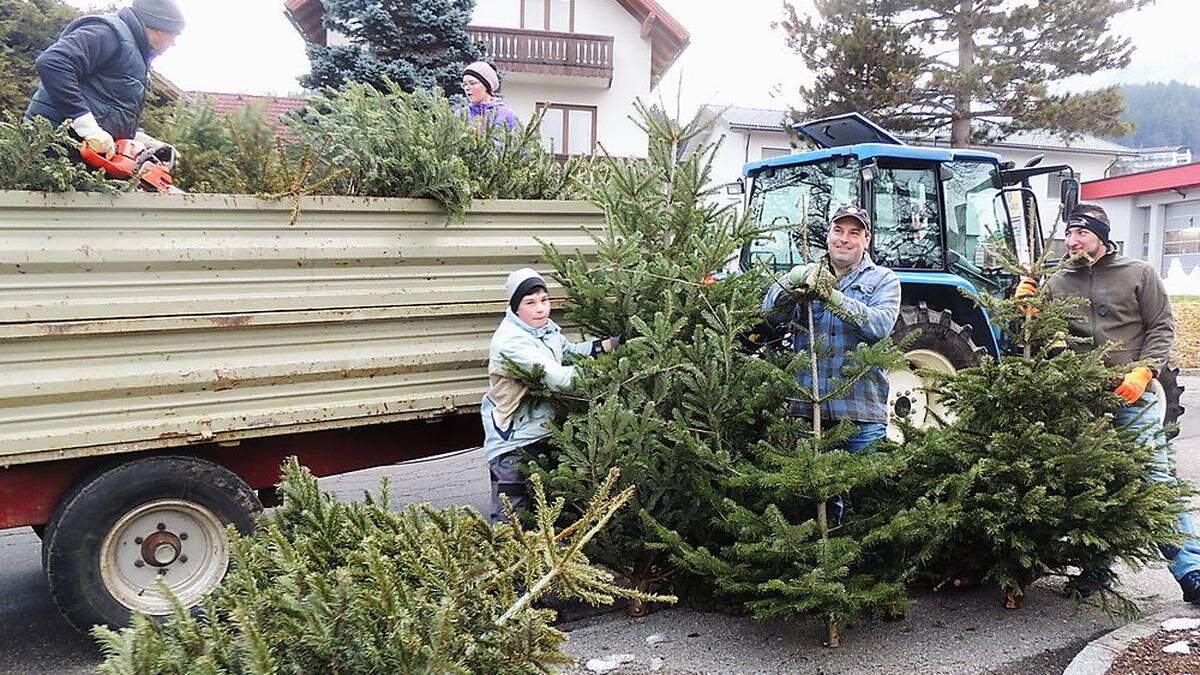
(960, 125)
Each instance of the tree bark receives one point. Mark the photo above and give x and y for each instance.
(960, 125)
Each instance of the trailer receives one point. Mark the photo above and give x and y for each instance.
(162, 355)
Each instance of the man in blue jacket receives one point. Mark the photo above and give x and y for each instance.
(97, 74)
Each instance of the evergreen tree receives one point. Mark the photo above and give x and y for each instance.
(681, 401)
(418, 44)
(1163, 114)
(1031, 479)
(325, 587)
(977, 68)
(27, 27)
(35, 155)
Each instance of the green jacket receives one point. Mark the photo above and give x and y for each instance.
(1127, 304)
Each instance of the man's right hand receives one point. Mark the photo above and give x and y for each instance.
(93, 135)
(801, 275)
(1028, 287)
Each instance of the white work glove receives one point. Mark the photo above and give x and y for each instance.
(152, 144)
(93, 136)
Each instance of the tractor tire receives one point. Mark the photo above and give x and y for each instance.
(940, 344)
(1166, 386)
(119, 531)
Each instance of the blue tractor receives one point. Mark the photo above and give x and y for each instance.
(939, 216)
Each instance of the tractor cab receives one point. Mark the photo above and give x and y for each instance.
(940, 219)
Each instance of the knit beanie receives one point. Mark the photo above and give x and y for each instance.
(520, 284)
(485, 73)
(1093, 219)
(161, 15)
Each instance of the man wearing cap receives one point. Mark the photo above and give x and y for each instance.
(1127, 304)
(866, 293)
(527, 340)
(481, 83)
(97, 74)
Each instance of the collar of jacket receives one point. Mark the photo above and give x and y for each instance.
(139, 32)
(863, 265)
(549, 328)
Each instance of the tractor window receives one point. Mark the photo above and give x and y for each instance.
(974, 217)
(907, 219)
(788, 200)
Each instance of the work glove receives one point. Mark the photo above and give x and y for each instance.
(801, 276)
(152, 144)
(1134, 384)
(1028, 287)
(610, 345)
(93, 136)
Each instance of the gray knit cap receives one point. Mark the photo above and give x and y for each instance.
(161, 15)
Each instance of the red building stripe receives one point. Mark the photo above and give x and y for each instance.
(1158, 180)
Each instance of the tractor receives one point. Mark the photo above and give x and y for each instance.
(938, 215)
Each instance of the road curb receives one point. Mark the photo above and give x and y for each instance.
(1097, 657)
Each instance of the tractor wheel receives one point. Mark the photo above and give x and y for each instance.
(1169, 392)
(941, 345)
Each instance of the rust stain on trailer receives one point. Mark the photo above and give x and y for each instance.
(232, 320)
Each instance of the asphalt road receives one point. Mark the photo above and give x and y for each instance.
(960, 632)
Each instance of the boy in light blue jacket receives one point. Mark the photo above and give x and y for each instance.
(526, 338)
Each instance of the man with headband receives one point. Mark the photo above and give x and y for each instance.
(1127, 304)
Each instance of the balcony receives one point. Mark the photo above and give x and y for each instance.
(538, 55)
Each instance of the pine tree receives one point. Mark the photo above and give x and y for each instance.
(418, 44)
(325, 587)
(35, 155)
(27, 27)
(681, 401)
(1031, 479)
(979, 69)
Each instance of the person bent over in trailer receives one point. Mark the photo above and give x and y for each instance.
(527, 339)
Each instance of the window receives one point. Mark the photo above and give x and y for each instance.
(568, 129)
(1054, 185)
(976, 222)
(907, 219)
(553, 15)
(791, 201)
(768, 153)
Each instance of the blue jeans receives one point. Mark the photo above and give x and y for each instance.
(1142, 417)
(867, 435)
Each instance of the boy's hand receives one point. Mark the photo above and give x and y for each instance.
(610, 345)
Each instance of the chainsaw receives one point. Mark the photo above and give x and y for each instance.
(152, 168)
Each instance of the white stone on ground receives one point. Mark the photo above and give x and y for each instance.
(1180, 647)
(1181, 624)
(608, 663)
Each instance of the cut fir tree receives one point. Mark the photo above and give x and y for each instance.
(1032, 479)
(680, 402)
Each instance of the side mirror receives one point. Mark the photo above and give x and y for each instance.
(869, 171)
(1070, 195)
(738, 187)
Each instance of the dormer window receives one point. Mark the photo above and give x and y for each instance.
(552, 15)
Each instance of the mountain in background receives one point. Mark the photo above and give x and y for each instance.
(1163, 114)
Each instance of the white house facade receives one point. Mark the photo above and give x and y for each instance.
(581, 61)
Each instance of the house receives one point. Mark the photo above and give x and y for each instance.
(1149, 159)
(1157, 213)
(581, 61)
(751, 134)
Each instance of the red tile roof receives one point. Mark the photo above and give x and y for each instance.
(668, 37)
(274, 107)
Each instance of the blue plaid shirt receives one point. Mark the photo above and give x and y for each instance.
(873, 296)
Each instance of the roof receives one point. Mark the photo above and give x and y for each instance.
(1144, 182)
(273, 107)
(869, 150)
(668, 37)
(766, 119)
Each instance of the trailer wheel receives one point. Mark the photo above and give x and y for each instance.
(116, 533)
(1167, 389)
(941, 345)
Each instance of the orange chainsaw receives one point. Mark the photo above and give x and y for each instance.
(153, 169)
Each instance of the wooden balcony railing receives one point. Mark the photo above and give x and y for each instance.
(547, 52)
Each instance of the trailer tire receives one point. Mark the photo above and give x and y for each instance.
(117, 531)
(939, 344)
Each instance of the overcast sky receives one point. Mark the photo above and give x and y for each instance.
(248, 46)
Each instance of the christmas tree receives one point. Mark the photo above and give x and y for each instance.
(325, 587)
(1031, 479)
(417, 44)
(677, 405)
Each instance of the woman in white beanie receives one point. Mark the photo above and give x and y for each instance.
(481, 83)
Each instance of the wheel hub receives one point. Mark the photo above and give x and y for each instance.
(161, 549)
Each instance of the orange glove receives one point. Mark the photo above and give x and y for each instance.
(1026, 288)
(1135, 383)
